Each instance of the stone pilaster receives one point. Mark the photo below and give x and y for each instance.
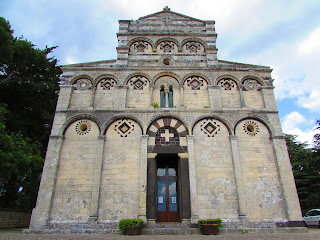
(143, 179)
(121, 93)
(41, 213)
(64, 97)
(193, 180)
(243, 104)
(151, 96)
(97, 178)
(93, 94)
(268, 98)
(239, 181)
(286, 179)
(214, 93)
(182, 96)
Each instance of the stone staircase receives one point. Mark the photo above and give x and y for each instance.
(170, 229)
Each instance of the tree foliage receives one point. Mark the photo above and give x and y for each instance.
(28, 96)
(28, 85)
(306, 169)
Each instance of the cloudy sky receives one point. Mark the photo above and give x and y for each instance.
(282, 34)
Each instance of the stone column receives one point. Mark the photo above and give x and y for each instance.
(239, 181)
(214, 93)
(64, 97)
(166, 96)
(243, 104)
(93, 94)
(151, 96)
(143, 178)
(193, 181)
(41, 213)
(182, 96)
(151, 187)
(97, 179)
(287, 180)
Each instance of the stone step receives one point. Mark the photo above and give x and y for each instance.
(170, 231)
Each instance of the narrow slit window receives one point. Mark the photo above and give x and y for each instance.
(170, 97)
(162, 98)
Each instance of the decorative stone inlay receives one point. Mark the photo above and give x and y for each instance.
(124, 127)
(195, 82)
(251, 85)
(167, 46)
(210, 127)
(140, 46)
(167, 136)
(251, 128)
(193, 46)
(83, 127)
(227, 83)
(83, 84)
(107, 83)
(138, 82)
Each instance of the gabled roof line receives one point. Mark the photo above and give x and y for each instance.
(167, 10)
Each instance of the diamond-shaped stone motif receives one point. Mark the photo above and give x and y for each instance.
(251, 85)
(167, 46)
(124, 127)
(138, 84)
(227, 84)
(141, 46)
(193, 46)
(210, 127)
(195, 82)
(107, 83)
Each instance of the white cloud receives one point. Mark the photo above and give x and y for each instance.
(293, 123)
(311, 43)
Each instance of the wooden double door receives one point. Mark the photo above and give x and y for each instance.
(168, 207)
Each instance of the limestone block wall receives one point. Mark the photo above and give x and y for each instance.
(104, 98)
(264, 199)
(253, 99)
(80, 99)
(74, 182)
(14, 219)
(230, 98)
(196, 98)
(119, 196)
(216, 191)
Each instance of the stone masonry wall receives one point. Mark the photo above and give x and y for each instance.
(14, 219)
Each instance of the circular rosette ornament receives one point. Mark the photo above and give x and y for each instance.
(251, 128)
(83, 127)
(83, 84)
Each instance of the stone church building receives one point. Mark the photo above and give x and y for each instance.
(166, 133)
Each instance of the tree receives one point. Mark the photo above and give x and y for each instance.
(28, 85)
(20, 168)
(28, 96)
(306, 169)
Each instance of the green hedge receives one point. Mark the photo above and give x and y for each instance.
(211, 221)
(129, 223)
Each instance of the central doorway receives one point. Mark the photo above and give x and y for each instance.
(168, 207)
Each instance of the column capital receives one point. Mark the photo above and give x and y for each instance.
(233, 137)
(102, 137)
(144, 137)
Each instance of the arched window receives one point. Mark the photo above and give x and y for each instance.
(162, 97)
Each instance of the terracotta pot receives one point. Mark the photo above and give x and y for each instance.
(133, 231)
(209, 229)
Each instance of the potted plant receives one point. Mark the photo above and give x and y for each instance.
(131, 226)
(210, 226)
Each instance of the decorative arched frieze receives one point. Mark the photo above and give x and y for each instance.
(163, 74)
(221, 119)
(141, 39)
(195, 74)
(226, 76)
(259, 80)
(253, 118)
(167, 45)
(106, 81)
(73, 119)
(83, 76)
(196, 40)
(135, 74)
(113, 119)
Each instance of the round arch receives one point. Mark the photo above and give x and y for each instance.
(203, 43)
(259, 79)
(136, 74)
(82, 76)
(132, 41)
(215, 82)
(167, 121)
(98, 79)
(206, 78)
(265, 122)
(119, 117)
(73, 119)
(221, 119)
(167, 39)
(163, 74)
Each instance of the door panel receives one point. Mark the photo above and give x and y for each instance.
(167, 189)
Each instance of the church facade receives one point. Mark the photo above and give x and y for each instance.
(166, 133)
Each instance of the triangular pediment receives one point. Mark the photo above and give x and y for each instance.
(168, 14)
